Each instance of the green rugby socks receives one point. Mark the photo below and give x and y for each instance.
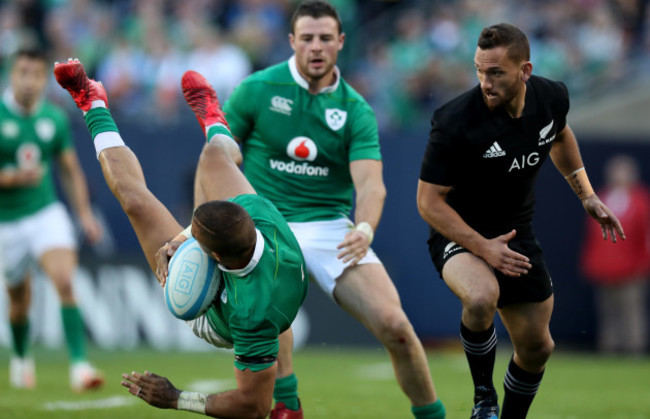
(431, 411)
(218, 129)
(74, 332)
(286, 391)
(103, 130)
(20, 334)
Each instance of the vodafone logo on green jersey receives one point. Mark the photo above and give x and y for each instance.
(301, 149)
(28, 156)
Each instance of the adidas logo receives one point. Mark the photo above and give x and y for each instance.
(495, 150)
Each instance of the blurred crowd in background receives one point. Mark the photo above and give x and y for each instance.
(406, 57)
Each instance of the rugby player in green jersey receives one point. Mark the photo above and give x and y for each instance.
(309, 142)
(264, 280)
(34, 225)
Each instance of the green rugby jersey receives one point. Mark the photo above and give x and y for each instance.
(255, 307)
(27, 140)
(298, 146)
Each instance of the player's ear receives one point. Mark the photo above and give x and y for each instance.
(526, 70)
(292, 41)
(341, 40)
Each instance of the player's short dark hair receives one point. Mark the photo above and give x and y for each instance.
(33, 53)
(226, 228)
(315, 9)
(506, 35)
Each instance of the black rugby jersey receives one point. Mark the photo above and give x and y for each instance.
(492, 160)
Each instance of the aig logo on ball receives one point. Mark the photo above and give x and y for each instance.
(187, 276)
(192, 282)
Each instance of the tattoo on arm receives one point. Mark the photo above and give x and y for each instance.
(580, 184)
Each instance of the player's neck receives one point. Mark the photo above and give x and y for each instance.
(239, 262)
(20, 108)
(316, 85)
(516, 106)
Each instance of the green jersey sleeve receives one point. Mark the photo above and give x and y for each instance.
(364, 135)
(63, 136)
(240, 110)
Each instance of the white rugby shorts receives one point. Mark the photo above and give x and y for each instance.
(202, 329)
(318, 241)
(23, 241)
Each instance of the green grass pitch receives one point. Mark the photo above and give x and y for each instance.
(334, 382)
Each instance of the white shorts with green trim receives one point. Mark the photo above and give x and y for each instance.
(318, 241)
(25, 240)
(202, 329)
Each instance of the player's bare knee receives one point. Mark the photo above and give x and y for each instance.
(63, 284)
(480, 306)
(535, 353)
(395, 329)
(18, 311)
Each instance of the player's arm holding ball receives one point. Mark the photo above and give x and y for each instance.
(165, 253)
(566, 157)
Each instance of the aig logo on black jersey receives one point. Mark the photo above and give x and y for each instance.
(524, 161)
(543, 133)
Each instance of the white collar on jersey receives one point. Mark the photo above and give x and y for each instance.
(303, 83)
(9, 99)
(257, 255)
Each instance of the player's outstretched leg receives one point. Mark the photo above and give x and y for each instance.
(218, 175)
(152, 222)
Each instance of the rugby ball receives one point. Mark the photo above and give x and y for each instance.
(192, 283)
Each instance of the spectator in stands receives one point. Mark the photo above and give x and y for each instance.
(620, 271)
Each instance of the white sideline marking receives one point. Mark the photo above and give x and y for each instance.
(211, 386)
(109, 403)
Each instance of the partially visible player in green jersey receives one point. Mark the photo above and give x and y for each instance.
(264, 279)
(294, 140)
(261, 300)
(310, 142)
(34, 226)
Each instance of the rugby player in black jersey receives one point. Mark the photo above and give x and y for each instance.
(476, 192)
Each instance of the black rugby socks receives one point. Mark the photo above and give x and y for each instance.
(520, 389)
(480, 349)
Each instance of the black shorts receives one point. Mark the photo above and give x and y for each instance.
(535, 286)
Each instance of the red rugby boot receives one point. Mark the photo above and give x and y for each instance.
(72, 77)
(281, 412)
(202, 98)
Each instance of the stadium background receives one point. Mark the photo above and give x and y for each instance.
(405, 57)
